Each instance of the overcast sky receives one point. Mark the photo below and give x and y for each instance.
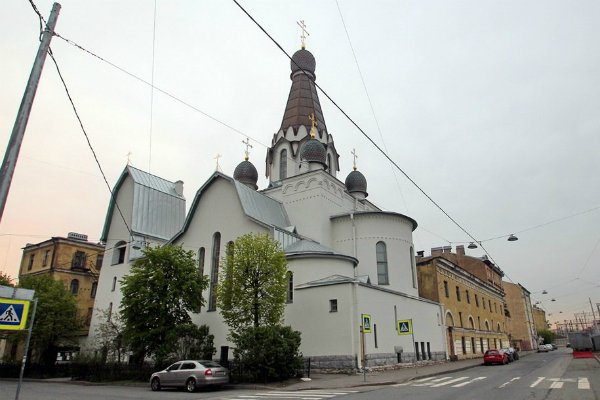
(490, 106)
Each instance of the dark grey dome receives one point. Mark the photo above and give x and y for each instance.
(356, 182)
(313, 151)
(305, 60)
(246, 173)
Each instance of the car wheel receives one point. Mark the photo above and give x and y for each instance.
(155, 385)
(190, 385)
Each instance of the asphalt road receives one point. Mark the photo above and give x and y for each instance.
(543, 376)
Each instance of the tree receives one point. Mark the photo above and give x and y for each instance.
(547, 334)
(6, 279)
(164, 286)
(193, 342)
(253, 284)
(56, 323)
(110, 336)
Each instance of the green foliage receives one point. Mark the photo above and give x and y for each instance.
(56, 323)
(193, 342)
(268, 353)
(547, 334)
(6, 279)
(109, 335)
(253, 285)
(162, 289)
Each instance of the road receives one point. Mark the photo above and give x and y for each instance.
(548, 376)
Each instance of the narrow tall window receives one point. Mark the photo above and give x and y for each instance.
(114, 284)
(460, 318)
(109, 313)
(74, 287)
(329, 166)
(94, 290)
(333, 305)
(214, 273)
(483, 301)
(99, 259)
(382, 266)
(30, 264)
(201, 255)
(46, 256)
(283, 164)
(290, 287)
(446, 292)
(476, 300)
(457, 293)
(490, 304)
(413, 267)
(78, 260)
(468, 297)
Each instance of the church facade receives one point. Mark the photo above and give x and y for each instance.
(352, 279)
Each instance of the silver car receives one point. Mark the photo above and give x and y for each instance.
(190, 374)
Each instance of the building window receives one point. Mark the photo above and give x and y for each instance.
(283, 164)
(119, 253)
(495, 307)
(413, 267)
(329, 166)
(333, 305)
(290, 287)
(479, 322)
(109, 313)
(446, 292)
(460, 318)
(382, 267)
(464, 345)
(476, 300)
(214, 273)
(114, 284)
(457, 293)
(78, 260)
(94, 290)
(468, 297)
(490, 304)
(99, 259)
(74, 287)
(201, 255)
(471, 323)
(483, 302)
(30, 263)
(46, 256)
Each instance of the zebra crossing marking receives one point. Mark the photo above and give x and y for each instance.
(471, 381)
(312, 394)
(451, 381)
(583, 383)
(539, 379)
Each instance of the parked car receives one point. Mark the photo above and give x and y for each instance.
(513, 355)
(544, 348)
(554, 347)
(190, 374)
(493, 356)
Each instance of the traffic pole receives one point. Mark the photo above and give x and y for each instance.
(16, 138)
(24, 361)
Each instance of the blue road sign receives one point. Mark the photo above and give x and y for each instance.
(13, 314)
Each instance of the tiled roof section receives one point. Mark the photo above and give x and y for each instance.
(308, 246)
(261, 207)
(153, 182)
(302, 101)
(328, 280)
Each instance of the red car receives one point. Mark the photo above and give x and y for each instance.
(493, 356)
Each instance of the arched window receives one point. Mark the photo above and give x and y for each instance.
(471, 323)
(283, 164)
(214, 273)
(290, 287)
(382, 266)
(118, 256)
(74, 287)
(94, 290)
(487, 325)
(498, 330)
(201, 255)
(114, 284)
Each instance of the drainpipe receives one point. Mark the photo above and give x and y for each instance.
(353, 240)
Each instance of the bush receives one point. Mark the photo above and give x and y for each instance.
(267, 353)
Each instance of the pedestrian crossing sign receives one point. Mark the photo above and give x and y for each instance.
(404, 326)
(13, 314)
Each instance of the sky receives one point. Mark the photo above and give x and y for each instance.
(491, 107)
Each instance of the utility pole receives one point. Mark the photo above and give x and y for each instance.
(16, 138)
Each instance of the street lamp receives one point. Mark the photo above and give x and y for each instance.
(512, 238)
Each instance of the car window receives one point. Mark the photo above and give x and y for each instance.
(188, 365)
(174, 366)
(209, 364)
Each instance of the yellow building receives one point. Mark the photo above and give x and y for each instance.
(521, 326)
(539, 318)
(72, 260)
(470, 291)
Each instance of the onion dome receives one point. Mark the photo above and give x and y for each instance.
(313, 151)
(303, 59)
(356, 183)
(247, 174)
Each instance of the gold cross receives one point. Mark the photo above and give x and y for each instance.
(218, 168)
(302, 26)
(353, 152)
(313, 128)
(248, 146)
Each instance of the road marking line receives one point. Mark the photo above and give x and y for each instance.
(471, 381)
(451, 381)
(290, 395)
(433, 381)
(556, 385)
(509, 382)
(539, 379)
(424, 379)
(583, 383)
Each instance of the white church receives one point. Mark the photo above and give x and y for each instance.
(352, 283)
